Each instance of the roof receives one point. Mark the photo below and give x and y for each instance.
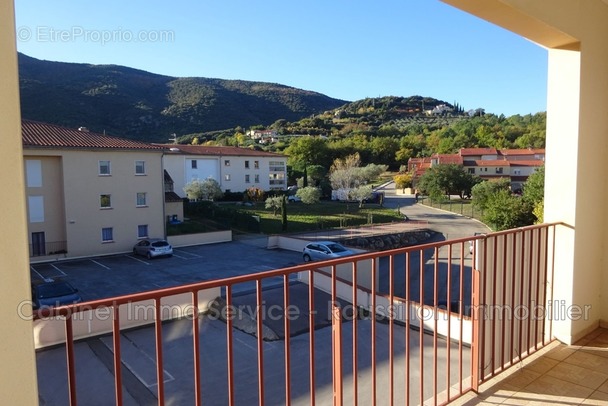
(530, 162)
(444, 159)
(171, 197)
(528, 151)
(217, 151)
(491, 162)
(37, 134)
(477, 151)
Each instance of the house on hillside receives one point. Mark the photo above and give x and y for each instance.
(235, 169)
(88, 193)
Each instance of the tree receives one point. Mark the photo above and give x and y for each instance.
(445, 180)
(306, 151)
(255, 194)
(274, 203)
(284, 213)
(207, 189)
(534, 193)
(361, 193)
(345, 174)
(504, 211)
(403, 180)
(483, 191)
(309, 194)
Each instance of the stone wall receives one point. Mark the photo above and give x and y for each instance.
(391, 241)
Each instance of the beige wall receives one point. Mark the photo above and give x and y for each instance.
(82, 187)
(576, 34)
(17, 358)
(52, 183)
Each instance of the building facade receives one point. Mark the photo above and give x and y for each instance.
(486, 163)
(88, 193)
(235, 169)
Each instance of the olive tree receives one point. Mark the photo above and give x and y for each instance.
(207, 189)
(309, 194)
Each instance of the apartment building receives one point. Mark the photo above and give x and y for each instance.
(487, 163)
(235, 169)
(88, 193)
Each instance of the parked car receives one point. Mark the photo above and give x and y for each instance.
(54, 293)
(153, 247)
(321, 250)
(294, 199)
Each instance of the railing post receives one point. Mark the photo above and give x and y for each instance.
(337, 354)
(476, 341)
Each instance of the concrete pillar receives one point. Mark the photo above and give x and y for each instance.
(18, 384)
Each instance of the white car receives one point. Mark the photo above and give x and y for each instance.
(322, 250)
(153, 247)
(293, 199)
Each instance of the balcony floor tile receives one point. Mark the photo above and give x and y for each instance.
(559, 374)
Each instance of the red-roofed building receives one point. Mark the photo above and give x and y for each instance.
(89, 193)
(235, 169)
(487, 163)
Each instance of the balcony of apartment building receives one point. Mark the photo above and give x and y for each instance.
(386, 340)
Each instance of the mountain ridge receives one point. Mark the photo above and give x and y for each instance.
(137, 104)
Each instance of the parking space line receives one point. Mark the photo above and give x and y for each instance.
(59, 270)
(178, 256)
(189, 253)
(137, 259)
(100, 264)
(37, 273)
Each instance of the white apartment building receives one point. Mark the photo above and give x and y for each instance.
(235, 169)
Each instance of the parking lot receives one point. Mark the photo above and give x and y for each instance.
(109, 276)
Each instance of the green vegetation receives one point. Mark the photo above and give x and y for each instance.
(445, 180)
(503, 210)
(141, 105)
(300, 217)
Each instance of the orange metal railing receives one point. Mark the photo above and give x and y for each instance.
(427, 324)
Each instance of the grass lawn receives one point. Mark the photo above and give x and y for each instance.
(459, 206)
(323, 215)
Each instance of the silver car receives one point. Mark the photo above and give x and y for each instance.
(153, 247)
(321, 250)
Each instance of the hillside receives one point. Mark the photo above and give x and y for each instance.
(137, 104)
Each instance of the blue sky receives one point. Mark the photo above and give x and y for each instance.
(344, 49)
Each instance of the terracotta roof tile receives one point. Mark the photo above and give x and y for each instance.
(444, 159)
(215, 150)
(492, 162)
(478, 151)
(531, 162)
(36, 134)
(528, 151)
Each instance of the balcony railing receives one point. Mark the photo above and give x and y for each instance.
(49, 248)
(423, 324)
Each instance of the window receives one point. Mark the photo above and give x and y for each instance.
(142, 231)
(256, 178)
(194, 164)
(256, 164)
(472, 171)
(107, 234)
(140, 167)
(227, 162)
(36, 208)
(498, 170)
(246, 164)
(105, 201)
(227, 177)
(246, 178)
(141, 199)
(104, 168)
(33, 172)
